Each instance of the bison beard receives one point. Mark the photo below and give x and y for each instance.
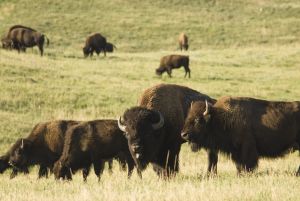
(245, 128)
(153, 128)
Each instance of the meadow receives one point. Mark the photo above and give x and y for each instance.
(238, 48)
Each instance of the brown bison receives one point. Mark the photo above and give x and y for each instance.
(7, 43)
(167, 63)
(110, 47)
(22, 37)
(153, 128)
(90, 143)
(183, 42)
(42, 147)
(95, 42)
(244, 128)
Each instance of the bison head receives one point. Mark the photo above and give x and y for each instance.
(3, 163)
(7, 43)
(196, 124)
(143, 129)
(86, 51)
(19, 153)
(159, 71)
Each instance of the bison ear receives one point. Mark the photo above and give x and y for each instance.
(207, 118)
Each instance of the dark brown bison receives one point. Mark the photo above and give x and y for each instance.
(244, 128)
(8, 43)
(183, 42)
(42, 147)
(153, 128)
(95, 42)
(91, 143)
(167, 63)
(22, 37)
(110, 47)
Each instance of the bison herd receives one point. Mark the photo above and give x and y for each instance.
(20, 37)
(152, 132)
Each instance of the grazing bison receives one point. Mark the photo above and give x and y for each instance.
(95, 42)
(7, 43)
(244, 128)
(110, 47)
(153, 128)
(167, 63)
(183, 42)
(23, 37)
(91, 143)
(42, 147)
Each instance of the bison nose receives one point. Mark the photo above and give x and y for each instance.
(185, 136)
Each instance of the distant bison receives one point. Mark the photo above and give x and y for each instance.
(42, 147)
(183, 42)
(22, 37)
(110, 47)
(167, 63)
(91, 143)
(95, 42)
(245, 128)
(153, 128)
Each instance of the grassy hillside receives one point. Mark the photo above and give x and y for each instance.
(239, 48)
(153, 25)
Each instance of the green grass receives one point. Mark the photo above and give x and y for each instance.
(238, 48)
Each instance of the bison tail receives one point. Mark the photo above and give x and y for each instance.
(48, 41)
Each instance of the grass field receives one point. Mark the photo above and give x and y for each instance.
(238, 48)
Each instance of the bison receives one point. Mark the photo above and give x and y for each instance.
(42, 147)
(153, 128)
(110, 47)
(95, 42)
(90, 143)
(22, 37)
(244, 128)
(183, 42)
(167, 63)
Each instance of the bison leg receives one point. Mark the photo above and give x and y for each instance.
(298, 172)
(41, 48)
(169, 71)
(110, 166)
(43, 171)
(85, 173)
(98, 168)
(212, 162)
(249, 156)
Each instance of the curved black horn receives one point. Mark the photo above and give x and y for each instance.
(160, 123)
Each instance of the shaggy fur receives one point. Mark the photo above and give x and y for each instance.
(90, 143)
(161, 146)
(95, 42)
(183, 42)
(245, 128)
(167, 63)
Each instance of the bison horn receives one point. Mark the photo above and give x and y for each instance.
(160, 123)
(206, 109)
(121, 126)
(22, 143)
